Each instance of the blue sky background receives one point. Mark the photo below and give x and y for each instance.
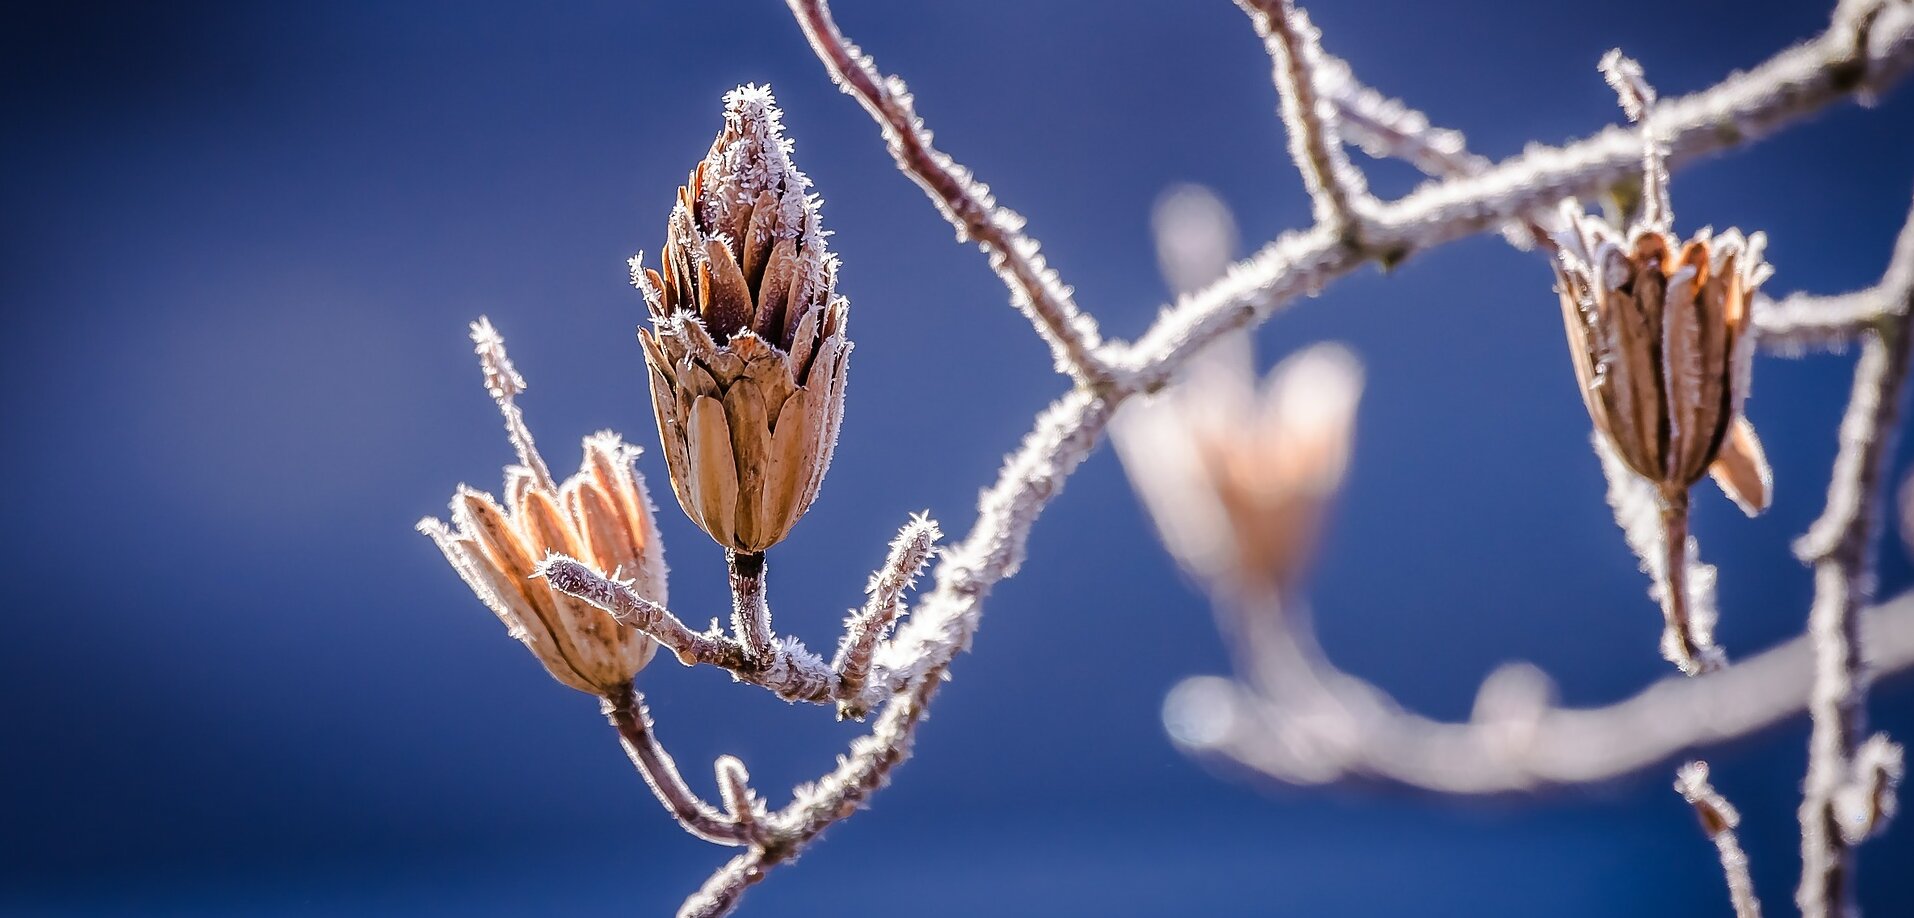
(239, 247)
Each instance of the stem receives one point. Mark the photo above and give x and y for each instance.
(1682, 643)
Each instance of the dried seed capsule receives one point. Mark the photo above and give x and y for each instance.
(1658, 331)
(601, 516)
(748, 345)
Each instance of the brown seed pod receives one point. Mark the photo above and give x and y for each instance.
(600, 516)
(748, 346)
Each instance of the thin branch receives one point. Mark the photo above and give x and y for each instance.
(1840, 547)
(1803, 322)
(1337, 189)
(790, 671)
(816, 807)
(1719, 819)
(910, 551)
(964, 201)
(1655, 526)
(1519, 740)
(1387, 128)
(626, 710)
(503, 382)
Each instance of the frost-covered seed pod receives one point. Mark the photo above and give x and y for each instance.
(1658, 331)
(600, 516)
(748, 345)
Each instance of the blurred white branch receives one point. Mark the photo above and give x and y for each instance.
(1519, 739)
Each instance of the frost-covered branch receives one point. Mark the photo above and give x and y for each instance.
(1336, 187)
(1719, 820)
(1840, 546)
(1518, 739)
(816, 807)
(1804, 322)
(626, 710)
(967, 203)
(784, 665)
(910, 551)
(1744, 107)
(789, 670)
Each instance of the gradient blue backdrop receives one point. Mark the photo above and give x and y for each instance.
(241, 244)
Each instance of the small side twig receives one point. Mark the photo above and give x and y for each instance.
(1336, 187)
(910, 551)
(964, 201)
(1719, 820)
(741, 804)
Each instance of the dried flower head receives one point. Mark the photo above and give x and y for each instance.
(601, 516)
(1659, 334)
(1658, 330)
(1237, 481)
(748, 349)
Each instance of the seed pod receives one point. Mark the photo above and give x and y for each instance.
(748, 346)
(1238, 481)
(601, 516)
(1658, 331)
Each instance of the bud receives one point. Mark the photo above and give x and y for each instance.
(747, 347)
(601, 516)
(1238, 481)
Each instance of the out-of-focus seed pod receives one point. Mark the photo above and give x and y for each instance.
(1237, 481)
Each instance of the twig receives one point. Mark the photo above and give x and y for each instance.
(964, 201)
(1336, 188)
(1803, 322)
(741, 804)
(1519, 740)
(1840, 547)
(626, 710)
(816, 807)
(909, 553)
(1719, 819)
(789, 670)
